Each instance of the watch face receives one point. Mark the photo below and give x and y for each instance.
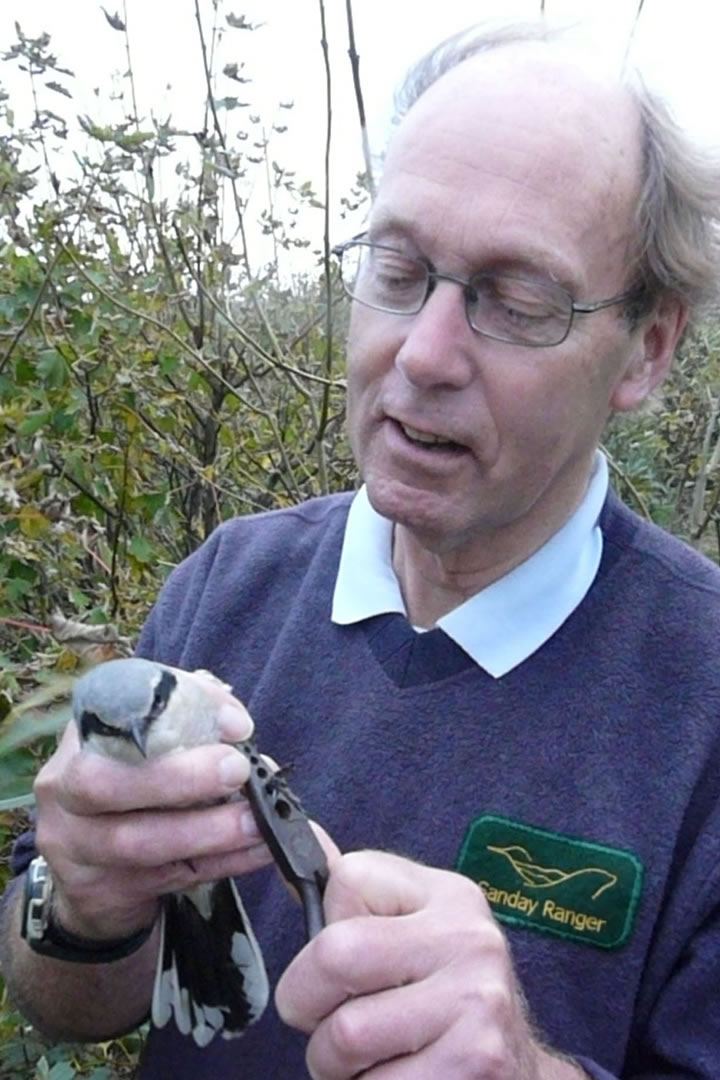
(49, 939)
(38, 891)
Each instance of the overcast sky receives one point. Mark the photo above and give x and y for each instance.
(675, 43)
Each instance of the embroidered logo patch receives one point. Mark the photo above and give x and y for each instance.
(558, 884)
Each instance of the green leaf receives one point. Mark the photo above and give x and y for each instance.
(52, 368)
(62, 421)
(62, 1070)
(141, 549)
(52, 688)
(34, 421)
(18, 802)
(25, 729)
(42, 1069)
(17, 773)
(169, 363)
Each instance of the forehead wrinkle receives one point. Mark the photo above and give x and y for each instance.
(554, 148)
(519, 242)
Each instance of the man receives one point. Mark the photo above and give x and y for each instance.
(539, 237)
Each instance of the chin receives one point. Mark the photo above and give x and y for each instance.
(427, 514)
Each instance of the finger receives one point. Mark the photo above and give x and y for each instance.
(379, 883)
(69, 742)
(356, 956)
(332, 851)
(332, 854)
(461, 1008)
(435, 917)
(378, 1028)
(454, 1056)
(234, 721)
(147, 838)
(107, 901)
(87, 783)
(232, 864)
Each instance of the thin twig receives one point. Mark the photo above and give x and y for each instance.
(32, 628)
(274, 361)
(32, 313)
(631, 35)
(118, 530)
(61, 470)
(210, 101)
(325, 402)
(357, 86)
(53, 263)
(708, 463)
(131, 77)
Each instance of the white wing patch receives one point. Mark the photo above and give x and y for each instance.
(210, 976)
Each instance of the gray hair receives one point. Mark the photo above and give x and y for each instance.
(676, 250)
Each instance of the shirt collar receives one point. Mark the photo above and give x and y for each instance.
(503, 624)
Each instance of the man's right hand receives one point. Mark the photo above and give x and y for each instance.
(118, 836)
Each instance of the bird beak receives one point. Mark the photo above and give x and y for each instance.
(138, 734)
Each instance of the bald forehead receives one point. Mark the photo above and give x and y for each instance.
(516, 149)
(539, 87)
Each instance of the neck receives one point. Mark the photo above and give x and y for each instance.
(434, 579)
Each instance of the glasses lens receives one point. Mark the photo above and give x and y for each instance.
(384, 278)
(520, 311)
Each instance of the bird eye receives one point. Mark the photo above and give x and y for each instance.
(162, 692)
(90, 723)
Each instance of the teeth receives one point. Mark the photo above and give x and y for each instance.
(422, 436)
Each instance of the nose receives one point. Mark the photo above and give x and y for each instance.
(438, 346)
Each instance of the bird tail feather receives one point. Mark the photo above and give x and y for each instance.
(210, 975)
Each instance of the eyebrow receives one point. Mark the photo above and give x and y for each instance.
(532, 260)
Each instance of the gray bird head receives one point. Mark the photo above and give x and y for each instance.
(121, 699)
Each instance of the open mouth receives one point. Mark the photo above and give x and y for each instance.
(427, 440)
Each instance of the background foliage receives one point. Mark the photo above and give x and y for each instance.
(153, 382)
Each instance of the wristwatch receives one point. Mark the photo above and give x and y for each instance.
(48, 938)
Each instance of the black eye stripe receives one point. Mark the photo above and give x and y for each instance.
(163, 690)
(91, 724)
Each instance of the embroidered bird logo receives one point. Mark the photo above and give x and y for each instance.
(543, 877)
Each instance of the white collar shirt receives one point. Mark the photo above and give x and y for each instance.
(504, 623)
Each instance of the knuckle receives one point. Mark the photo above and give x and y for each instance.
(349, 870)
(350, 1033)
(188, 777)
(498, 1001)
(479, 941)
(122, 844)
(472, 1049)
(494, 1053)
(336, 950)
(492, 939)
(44, 785)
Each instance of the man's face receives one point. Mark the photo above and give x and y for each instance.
(504, 164)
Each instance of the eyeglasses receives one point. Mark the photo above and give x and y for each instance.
(500, 306)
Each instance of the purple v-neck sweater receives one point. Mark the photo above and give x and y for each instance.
(598, 758)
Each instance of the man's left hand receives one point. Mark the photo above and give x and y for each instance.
(411, 980)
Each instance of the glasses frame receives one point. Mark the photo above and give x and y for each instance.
(466, 284)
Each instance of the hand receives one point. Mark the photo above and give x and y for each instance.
(410, 980)
(119, 836)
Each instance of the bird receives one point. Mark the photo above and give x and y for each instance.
(210, 975)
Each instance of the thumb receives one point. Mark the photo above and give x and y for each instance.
(379, 883)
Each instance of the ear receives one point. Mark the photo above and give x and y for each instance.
(657, 339)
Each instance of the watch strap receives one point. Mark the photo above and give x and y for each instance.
(48, 938)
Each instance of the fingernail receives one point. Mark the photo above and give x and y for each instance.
(234, 722)
(233, 769)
